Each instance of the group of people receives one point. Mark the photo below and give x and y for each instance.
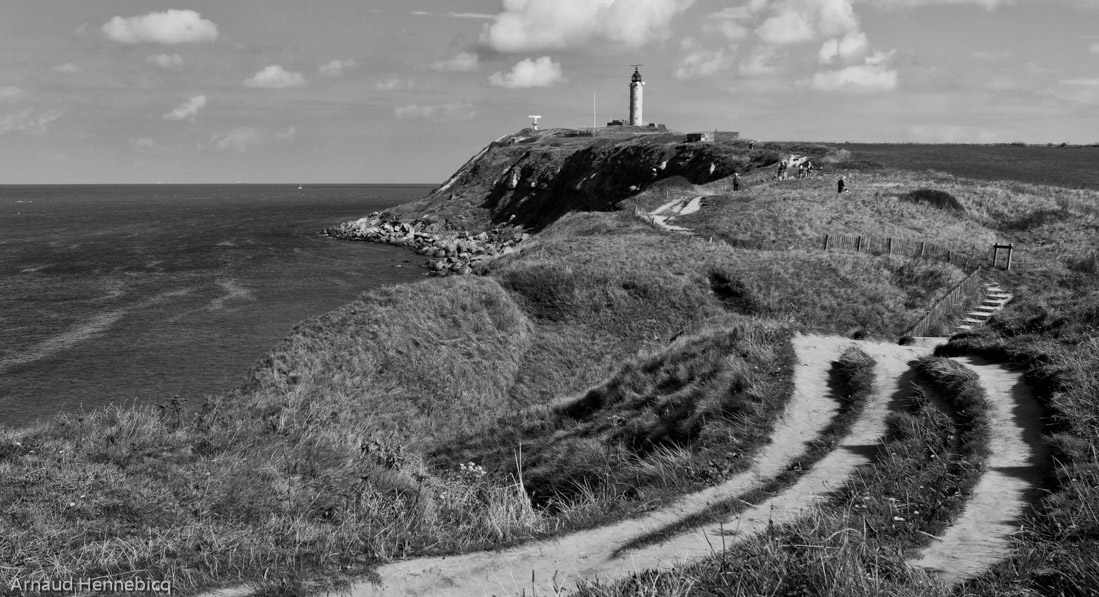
(805, 169)
(841, 184)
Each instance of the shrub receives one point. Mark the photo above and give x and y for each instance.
(935, 198)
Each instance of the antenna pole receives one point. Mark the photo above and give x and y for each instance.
(593, 117)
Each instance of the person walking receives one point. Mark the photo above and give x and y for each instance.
(736, 182)
(841, 186)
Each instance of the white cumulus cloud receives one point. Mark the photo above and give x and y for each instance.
(527, 73)
(169, 27)
(336, 68)
(187, 109)
(166, 61)
(698, 61)
(67, 69)
(462, 63)
(529, 25)
(797, 21)
(451, 111)
(275, 77)
(872, 76)
(852, 45)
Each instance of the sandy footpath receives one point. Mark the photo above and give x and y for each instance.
(982, 534)
(590, 554)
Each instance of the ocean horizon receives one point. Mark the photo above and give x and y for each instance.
(139, 293)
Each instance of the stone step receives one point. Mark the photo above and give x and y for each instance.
(964, 327)
(971, 320)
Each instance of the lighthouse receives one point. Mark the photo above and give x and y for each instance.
(636, 83)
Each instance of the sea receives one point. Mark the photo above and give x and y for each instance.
(132, 294)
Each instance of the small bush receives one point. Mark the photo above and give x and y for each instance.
(935, 198)
(853, 374)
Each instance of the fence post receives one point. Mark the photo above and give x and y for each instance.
(825, 242)
(889, 246)
(1010, 249)
(922, 243)
(858, 247)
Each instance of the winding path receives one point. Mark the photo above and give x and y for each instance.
(547, 565)
(980, 537)
(982, 534)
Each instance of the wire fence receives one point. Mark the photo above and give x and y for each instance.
(948, 305)
(916, 249)
(1082, 207)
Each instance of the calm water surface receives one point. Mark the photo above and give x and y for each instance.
(116, 294)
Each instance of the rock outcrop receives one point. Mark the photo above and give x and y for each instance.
(448, 251)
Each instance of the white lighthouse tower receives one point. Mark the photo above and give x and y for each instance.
(636, 83)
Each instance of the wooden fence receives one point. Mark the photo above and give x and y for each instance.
(916, 249)
(947, 306)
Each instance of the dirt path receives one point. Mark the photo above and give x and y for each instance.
(671, 209)
(982, 535)
(546, 565)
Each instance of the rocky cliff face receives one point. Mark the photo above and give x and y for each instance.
(532, 178)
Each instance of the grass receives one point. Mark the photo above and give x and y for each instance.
(606, 368)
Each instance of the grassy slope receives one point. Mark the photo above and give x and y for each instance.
(349, 442)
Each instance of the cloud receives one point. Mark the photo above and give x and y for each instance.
(1094, 48)
(850, 46)
(10, 93)
(452, 111)
(274, 77)
(787, 27)
(871, 76)
(1079, 90)
(335, 68)
(527, 73)
(143, 144)
(27, 121)
(700, 62)
(241, 139)
(902, 4)
(949, 133)
(763, 61)
(168, 27)
(453, 15)
(798, 21)
(166, 61)
(462, 63)
(393, 84)
(68, 69)
(729, 23)
(529, 25)
(187, 109)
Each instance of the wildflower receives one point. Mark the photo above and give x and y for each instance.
(898, 519)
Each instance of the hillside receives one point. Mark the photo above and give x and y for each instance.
(606, 371)
(532, 178)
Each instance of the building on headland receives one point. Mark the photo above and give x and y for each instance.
(711, 136)
(636, 87)
(636, 119)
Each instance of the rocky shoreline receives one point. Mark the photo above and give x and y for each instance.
(449, 252)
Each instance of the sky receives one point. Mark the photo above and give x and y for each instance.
(404, 91)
